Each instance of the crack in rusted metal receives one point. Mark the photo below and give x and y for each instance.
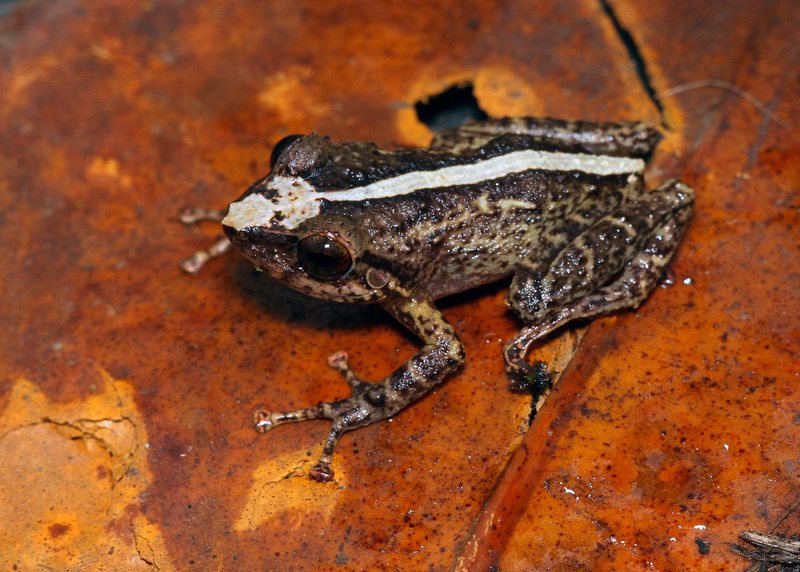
(636, 57)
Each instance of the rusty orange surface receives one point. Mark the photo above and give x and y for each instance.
(126, 386)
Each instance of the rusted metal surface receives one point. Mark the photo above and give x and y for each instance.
(126, 386)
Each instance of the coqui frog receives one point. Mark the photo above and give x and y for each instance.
(558, 205)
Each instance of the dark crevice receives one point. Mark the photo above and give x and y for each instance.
(452, 108)
(636, 57)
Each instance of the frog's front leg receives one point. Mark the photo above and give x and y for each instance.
(190, 216)
(373, 402)
(614, 264)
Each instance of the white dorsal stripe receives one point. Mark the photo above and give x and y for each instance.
(297, 200)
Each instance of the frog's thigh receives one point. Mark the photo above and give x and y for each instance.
(640, 276)
(594, 274)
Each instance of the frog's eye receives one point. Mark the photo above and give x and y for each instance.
(280, 147)
(323, 257)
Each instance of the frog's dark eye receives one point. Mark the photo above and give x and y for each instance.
(280, 147)
(323, 257)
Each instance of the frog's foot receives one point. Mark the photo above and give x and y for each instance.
(190, 215)
(537, 380)
(194, 263)
(518, 368)
(366, 406)
(345, 414)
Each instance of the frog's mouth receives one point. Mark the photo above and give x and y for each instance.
(241, 237)
(265, 248)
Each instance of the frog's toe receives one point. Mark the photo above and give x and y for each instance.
(321, 472)
(532, 378)
(262, 420)
(338, 361)
(194, 263)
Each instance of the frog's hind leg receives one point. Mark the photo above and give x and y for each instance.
(517, 349)
(627, 269)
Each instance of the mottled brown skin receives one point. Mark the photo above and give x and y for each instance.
(578, 244)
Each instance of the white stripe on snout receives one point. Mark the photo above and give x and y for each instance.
(297, 200)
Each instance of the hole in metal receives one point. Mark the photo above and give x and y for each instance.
(451, 108)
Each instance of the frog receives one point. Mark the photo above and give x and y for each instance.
(559, 206)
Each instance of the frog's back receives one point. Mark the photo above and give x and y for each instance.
(462, 213)
(451, 221)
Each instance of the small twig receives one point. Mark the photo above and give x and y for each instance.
(730, 87)
(786, 513)
(771, 552)
(789, 547)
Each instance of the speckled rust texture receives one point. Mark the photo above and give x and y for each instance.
(126, 386)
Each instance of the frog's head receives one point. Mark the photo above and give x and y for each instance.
(322, 257)
(279, 225)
